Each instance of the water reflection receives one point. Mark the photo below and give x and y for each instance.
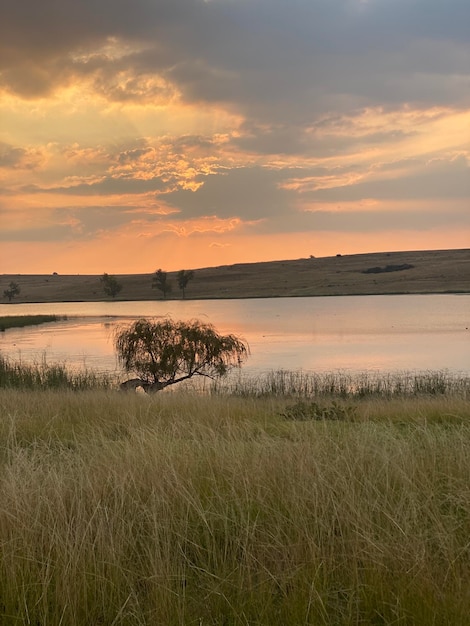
(85, 344)
(379, 333)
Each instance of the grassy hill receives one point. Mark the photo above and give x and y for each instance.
(430, 271)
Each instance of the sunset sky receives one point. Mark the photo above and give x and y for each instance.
(145, 134)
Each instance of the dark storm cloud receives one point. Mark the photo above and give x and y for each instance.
(258, 193)
(10, 156)
(273, 60)
(40, 41)
(249, 193)
(296, 140)
(14, 157)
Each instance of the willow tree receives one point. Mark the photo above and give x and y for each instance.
(166, 352)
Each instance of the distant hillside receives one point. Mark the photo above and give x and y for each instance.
(442, 271)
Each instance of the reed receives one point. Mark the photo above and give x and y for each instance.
(300, 383)
(278, 383)
(19, 321)
(184, 508)
(50, 376)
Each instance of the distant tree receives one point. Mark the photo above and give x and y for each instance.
(160, 281)
(110, 285)
(184, 276)
(167, 352)
(12, 291)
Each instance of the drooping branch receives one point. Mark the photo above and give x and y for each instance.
(166, 352)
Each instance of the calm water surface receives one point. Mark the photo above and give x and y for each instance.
(348, 333)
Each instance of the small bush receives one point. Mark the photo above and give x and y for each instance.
(388, 268)
(303, 411)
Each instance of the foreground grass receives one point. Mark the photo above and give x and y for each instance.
(183, 509)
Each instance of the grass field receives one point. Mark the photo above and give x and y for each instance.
(179, 509)
(381, 273)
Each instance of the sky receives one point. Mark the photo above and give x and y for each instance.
(146, 134)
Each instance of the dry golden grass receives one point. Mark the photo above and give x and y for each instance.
(432, 272)
(181, 509)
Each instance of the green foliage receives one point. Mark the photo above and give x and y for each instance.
(12, 291)
(161, 282)
(184, 276)
(19, 321)
(303, 411)
(111, 286)
(166, 352)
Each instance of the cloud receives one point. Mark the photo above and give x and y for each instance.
(195, 118)
(15, 157)
(437, 179)
(411, 220)
(107, 185)
(66, 224)
(250, 193)
(271, 60)
(11, 156)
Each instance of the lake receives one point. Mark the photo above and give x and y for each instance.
(348, 333)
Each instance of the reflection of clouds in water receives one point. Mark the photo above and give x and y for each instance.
(364, 352)
(84, 346)
(316, 334)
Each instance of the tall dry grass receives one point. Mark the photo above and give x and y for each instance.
(43, 375)
(180, 509)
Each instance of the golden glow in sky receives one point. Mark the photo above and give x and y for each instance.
(186, 133)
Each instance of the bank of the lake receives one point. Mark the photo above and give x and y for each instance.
(432, 271)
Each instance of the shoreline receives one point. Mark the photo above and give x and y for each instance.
(202, 299)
